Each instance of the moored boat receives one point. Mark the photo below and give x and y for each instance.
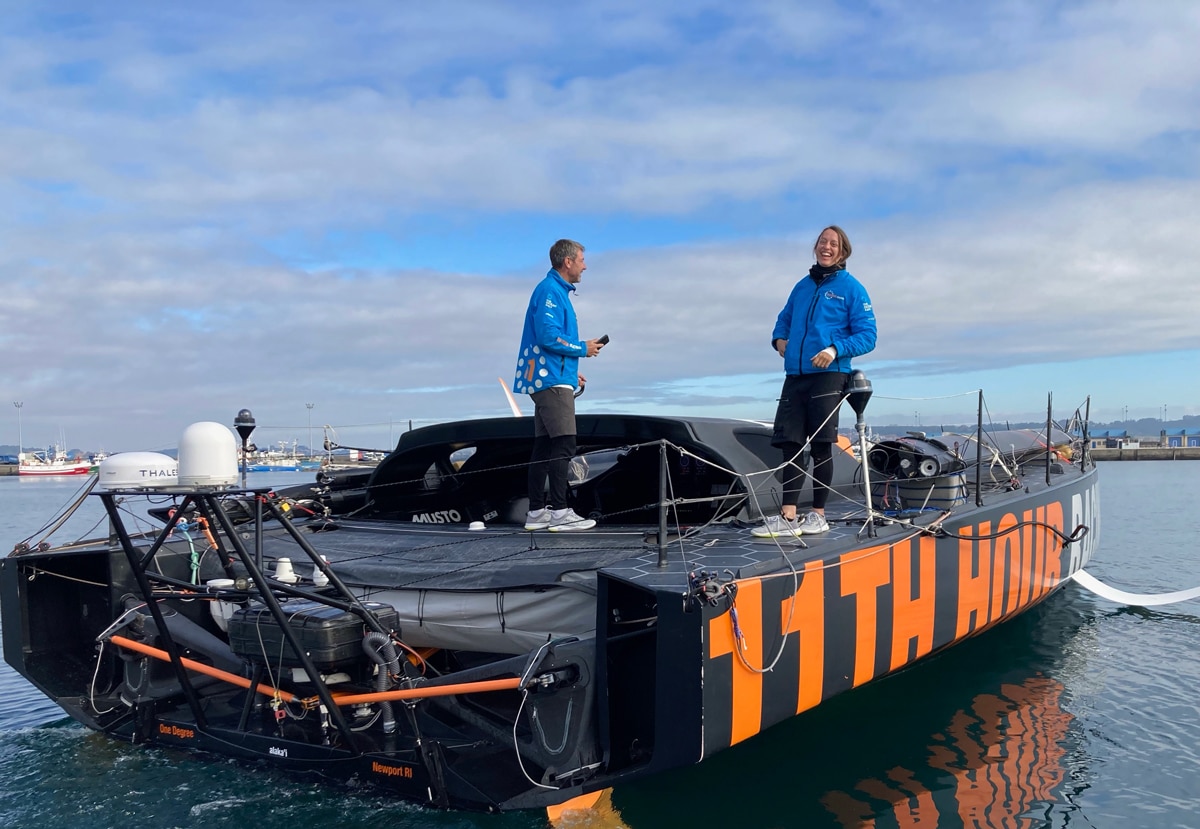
(53, 461)
(279, 460)
(397, 625)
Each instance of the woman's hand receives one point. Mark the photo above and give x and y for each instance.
(823, 358)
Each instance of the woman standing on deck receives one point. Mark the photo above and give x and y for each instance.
(826, 321)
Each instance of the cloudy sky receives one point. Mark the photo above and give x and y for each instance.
(215, 206)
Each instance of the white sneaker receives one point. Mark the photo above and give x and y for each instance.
(812, 524)
(566, 520)
(538, 519)
(775, 526)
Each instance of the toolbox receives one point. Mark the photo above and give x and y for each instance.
(331, 637)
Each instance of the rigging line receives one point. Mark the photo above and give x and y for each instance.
(92, 687)
(935, 529)
(1076, 535)
(460, 473)
(526, 675)
(50, 527)
(884, 549)
(38, 571)
(787, 623)
(732, 602)
(695, 531)
(1105, 591)
(517, 748)
(935, 397)
(799, 542)
(747, 476)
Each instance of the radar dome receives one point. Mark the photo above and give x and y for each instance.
(138, 470)
(207, 455)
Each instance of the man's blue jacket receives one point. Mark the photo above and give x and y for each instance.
(550, 344)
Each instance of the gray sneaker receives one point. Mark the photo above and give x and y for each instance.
(566, 521)
(538, 519)
(812, 524)
(775, 526)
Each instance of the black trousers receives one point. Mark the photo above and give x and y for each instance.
(808, 413)
(551, 458)
(793, 473)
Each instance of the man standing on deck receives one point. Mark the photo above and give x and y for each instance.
(548, 370)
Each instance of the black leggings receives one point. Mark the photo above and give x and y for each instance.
(551, 457)
(793, 474)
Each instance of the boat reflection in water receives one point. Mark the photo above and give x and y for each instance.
(980, 737)
(1005, 756)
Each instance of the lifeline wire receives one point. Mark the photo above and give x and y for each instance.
(533, 663)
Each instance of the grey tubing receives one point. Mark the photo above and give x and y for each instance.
(379, 647)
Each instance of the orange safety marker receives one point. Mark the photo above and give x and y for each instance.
(588, 811)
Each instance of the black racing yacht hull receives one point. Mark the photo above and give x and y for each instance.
(419, 639)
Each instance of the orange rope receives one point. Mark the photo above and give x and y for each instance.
(432, 691)
(201, 668)
(340, 699)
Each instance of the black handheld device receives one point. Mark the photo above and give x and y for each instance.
(603, 340)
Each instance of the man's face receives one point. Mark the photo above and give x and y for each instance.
(573, 268)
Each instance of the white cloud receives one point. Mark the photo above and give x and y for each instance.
(170, 175)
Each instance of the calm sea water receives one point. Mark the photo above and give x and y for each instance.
(1081, 713)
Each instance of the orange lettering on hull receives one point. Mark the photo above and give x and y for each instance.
(998, 560)
(913, 609)
(1024, 597)
(804, 614)
(1043, 545)
(974, 584)
(747, 684)
(1010, 543)
(863, 573)
(176, 731)
(391, 771)
(1052, 574)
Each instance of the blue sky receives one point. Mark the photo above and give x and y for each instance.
(214, 207)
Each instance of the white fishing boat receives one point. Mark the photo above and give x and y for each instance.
(53, 461)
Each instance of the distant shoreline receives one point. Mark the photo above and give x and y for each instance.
(1140, 453)
(1148, 453)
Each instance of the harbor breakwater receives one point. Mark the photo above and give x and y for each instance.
(1148, 453)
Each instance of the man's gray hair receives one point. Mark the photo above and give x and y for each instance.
(562, 250)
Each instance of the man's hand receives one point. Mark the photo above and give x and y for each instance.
(593, 347)
(781, 346)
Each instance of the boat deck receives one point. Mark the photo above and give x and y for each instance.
(451, 557)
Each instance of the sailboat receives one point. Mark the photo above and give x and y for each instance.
(405, 626)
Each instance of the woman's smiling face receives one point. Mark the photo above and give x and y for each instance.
(828, 248)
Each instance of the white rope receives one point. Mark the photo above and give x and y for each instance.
(1104, 591)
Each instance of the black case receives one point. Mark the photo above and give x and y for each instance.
(332, 638)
